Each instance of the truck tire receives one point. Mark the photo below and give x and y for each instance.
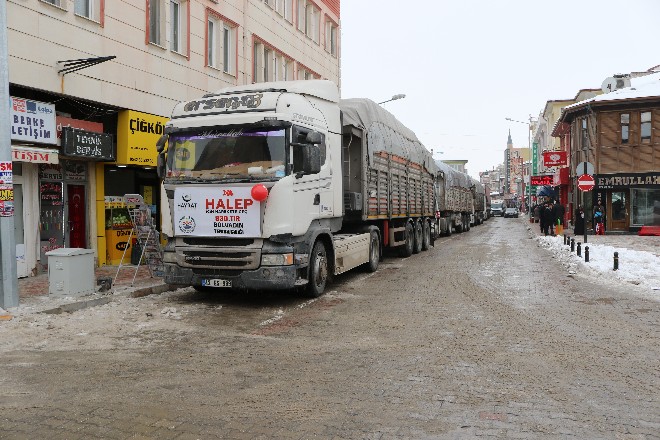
(449, 229)
(467, 223)
(318, 270)
(407, 249)
(426, 239)
(419, 236)
(374, 252)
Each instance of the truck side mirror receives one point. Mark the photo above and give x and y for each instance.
(314, 138)
(311, 159)
(160, 143)
(160, 165)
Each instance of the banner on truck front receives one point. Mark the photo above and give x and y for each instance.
(216, 212)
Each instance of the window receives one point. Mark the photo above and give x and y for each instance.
(625, 128)
(270, 65)
(57, 3)
(179, 26)
(312, 22)
(645, 120)
(645, 207)
(585, 134)
(331, 34)
(221, 44)
(88, 8)
(156, 21)
(288, 10)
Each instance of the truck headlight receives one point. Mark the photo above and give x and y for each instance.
(277, 259)
(169, 257)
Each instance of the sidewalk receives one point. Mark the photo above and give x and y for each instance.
(629, 241)
(33, 296)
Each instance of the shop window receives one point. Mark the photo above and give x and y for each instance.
(645, 128)
(90, 9)
(625, 128)
(645, 206)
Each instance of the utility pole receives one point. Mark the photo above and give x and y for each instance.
(9, 284)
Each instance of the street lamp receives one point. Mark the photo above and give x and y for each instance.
(394, 98)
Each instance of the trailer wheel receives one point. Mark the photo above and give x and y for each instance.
(449, 229)
(318, 270)
(374, 252)
(419, 236)
(407, 248)
(467, 223)
(426, 240)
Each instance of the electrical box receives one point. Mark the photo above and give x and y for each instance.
(70, 271)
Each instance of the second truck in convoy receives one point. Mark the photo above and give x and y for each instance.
(282, 185)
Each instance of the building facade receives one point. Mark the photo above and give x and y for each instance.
(94, 81)
(617, 135)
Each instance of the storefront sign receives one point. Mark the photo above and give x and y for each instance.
(74, 170)
(34, 155)
(6, 173)
(554, 158)
(216, 212)
(535, 155)
(628, 180)
(137, 134)
(32, 121)
(64, 122)
(87, 144)
(542, 180)
(51, 172)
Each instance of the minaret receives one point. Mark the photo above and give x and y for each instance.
(509, 142)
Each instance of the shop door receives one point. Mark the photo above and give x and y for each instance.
(19, 231)
(77, 229)
(618, 211)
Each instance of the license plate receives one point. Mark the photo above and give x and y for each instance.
(216, 283)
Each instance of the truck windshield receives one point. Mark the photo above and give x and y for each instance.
(228, 154)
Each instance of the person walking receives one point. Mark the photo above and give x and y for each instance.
(547, 218)
(599, 219)
(578, 228)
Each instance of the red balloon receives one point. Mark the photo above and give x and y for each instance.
(259, 193)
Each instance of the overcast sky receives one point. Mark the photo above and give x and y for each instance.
(466, 65)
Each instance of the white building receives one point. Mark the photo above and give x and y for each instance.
(109, 72)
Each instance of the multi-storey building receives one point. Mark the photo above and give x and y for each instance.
(94, 81)
(617, 135)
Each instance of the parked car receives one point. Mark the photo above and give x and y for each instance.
(511, 212)
(497, 208)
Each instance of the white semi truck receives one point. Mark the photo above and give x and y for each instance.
(282, 185)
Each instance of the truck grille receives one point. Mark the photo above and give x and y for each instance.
(219, 258)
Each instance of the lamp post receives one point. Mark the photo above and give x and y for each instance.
(394, 98)
(531, 159)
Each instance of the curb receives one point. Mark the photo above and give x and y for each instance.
(107, 298)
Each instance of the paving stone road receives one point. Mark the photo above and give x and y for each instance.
(484, 336)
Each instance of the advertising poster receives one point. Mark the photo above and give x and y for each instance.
(6, 200)
(6, 173)
(216, 212)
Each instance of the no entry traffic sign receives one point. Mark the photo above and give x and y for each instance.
(586, 182)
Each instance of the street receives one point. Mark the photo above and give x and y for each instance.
(483, 336)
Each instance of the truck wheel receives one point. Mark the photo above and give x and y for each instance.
(407, 248)
(426, 240)
(467, 223)
(449, 229)
(374, 252)
(318, 270)
(419, 236)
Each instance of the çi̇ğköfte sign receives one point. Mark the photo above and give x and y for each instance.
(216, 212)
(32, 121)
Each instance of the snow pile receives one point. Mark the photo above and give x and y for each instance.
(639, 268)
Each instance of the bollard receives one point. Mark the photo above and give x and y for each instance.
(568, 240)
(579, 249)
(572, 244)
(586, 254)
(616, 261)
(565, 237)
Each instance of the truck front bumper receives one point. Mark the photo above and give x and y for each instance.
(267, 278)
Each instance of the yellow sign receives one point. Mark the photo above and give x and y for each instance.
(137, 134)
(147, 192)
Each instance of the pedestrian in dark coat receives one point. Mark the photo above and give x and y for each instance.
(561, 212)
(578, 228)
(547, 218)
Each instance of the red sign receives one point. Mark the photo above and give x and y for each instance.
(586, 182)
(541, 180)
(554, 158)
